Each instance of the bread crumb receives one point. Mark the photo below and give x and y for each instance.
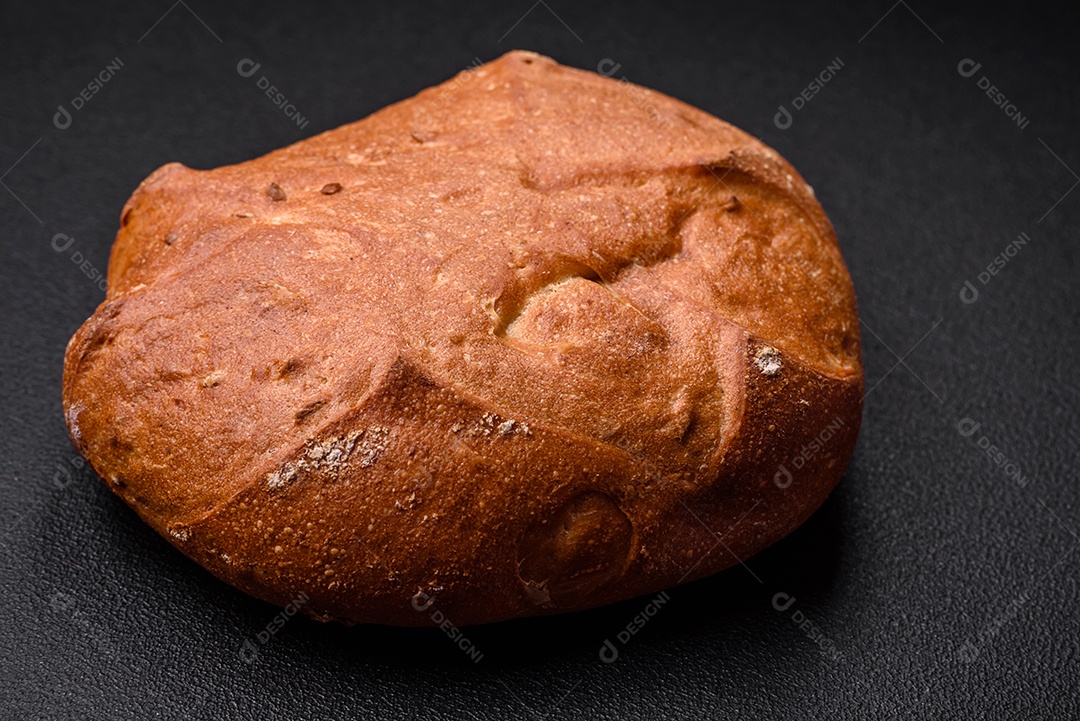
(372, 445)
(213, 379)
(492, 423)
(332, 455)
(282, 477)
(768, 360)
(73, 421)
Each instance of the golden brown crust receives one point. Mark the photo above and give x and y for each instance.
(524, 343)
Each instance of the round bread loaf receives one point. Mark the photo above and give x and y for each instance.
(531, 341)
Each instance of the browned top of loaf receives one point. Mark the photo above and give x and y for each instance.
(565, 251)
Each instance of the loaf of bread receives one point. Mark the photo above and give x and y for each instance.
(534, 340)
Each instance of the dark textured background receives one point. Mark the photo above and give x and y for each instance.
(945, 587)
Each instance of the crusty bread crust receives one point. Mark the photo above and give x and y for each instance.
(531, 341)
